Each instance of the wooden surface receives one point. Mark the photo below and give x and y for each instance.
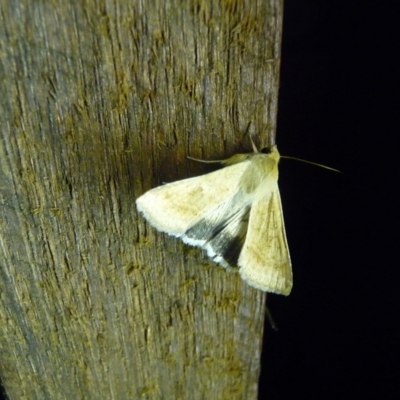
(101, 101)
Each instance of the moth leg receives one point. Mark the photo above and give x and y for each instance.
(271, 320)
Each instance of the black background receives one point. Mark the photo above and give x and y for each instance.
(338, 334)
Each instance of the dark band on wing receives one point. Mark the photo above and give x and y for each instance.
(228, 247)
(224, 240)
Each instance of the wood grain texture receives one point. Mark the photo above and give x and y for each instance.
(102, 100)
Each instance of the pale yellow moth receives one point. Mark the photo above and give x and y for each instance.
(235, 214)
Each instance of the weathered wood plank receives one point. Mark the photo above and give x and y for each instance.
(102, 100)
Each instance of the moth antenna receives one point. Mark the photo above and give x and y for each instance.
(205, 161)
(312, 163)
(255, 150)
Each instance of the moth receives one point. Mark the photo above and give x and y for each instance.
(234, 213)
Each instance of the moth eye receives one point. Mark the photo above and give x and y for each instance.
(266, 150)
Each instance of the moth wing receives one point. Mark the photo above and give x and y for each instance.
(265, 261)
(177, 207)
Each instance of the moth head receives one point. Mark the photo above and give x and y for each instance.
(272, 152)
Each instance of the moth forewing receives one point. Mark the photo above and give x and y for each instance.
(176, 207)
(265, 261)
